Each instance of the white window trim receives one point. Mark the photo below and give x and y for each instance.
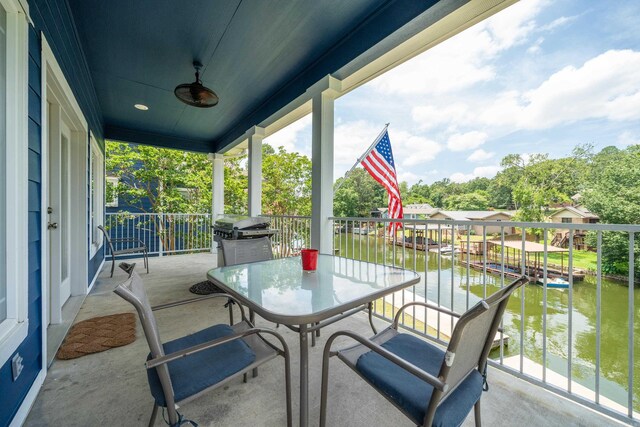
(96, 197)
(114, 180)
(13, 330)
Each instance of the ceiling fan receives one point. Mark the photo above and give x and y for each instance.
(195, 94)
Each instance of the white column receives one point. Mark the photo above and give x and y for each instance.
(322, 171)
(255, 170)
(217, 189)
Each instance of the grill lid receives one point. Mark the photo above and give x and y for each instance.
(241, 222)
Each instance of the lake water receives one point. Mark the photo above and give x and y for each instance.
(614, 314)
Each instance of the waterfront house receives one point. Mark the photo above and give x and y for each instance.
(578, 214)
(483, 216)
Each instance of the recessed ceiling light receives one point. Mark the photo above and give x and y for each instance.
(141, 107)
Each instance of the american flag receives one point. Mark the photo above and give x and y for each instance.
(380, 165)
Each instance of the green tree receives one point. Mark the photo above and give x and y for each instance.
(286, 187)
(358, 195)
(172, 181)
(418, 193)
(612, 191)
(476, 201)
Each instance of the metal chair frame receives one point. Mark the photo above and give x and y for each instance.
(142, 248)
(442, 388)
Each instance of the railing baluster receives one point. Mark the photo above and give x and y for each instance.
(631, 312)
(598, 314)
(570, 314)
(439, 278)
(523, 269)
(544, 310)
(502, 249)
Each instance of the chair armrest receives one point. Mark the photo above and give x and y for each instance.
(396, 319)
(436, 382)
(153, 363)
(198, 299)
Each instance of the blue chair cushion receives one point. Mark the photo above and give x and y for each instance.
(411, 393)
(194, 373)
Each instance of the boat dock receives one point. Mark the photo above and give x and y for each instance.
(514, 252)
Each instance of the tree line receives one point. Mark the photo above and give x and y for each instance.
(176, 181)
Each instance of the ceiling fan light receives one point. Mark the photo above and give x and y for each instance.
(196, 94)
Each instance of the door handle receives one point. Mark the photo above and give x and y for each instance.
(52, 225)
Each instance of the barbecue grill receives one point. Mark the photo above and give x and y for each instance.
(237, 227)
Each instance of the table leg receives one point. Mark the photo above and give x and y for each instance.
(304, 377)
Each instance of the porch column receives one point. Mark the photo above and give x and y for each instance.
(217, 189)
(255, 170)
(322, 170)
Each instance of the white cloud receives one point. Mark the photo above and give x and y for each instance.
(626, 138)
(479, 172)
(408, 177)
(466, 141)
(604, 87)
(465, 59)
(461, 177)
(480, 156)
(535, 47)
(353, 138)
(486, 171)
(288, 136)
(428, 116)
(558, 22)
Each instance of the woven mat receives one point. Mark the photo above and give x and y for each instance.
(205, 288)
(98, 334)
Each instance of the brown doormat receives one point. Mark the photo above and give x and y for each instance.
(98, 334)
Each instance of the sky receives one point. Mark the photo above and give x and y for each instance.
(541, 76)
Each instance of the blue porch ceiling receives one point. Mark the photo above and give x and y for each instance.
(258, 56)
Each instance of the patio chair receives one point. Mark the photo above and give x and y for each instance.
(138, 248)
(431, 386)
(184, 368)
(242, 252)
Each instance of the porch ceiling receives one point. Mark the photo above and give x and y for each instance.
(258, 56)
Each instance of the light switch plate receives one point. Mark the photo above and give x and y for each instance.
(16, 366)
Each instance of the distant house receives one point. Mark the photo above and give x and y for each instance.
(574, 215)
(412, 211)
(477, 216)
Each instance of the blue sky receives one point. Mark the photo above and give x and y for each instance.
(539, 77)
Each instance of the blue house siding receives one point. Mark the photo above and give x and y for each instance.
(13, 393)
(55, 20)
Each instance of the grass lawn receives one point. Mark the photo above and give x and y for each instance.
(581, 259)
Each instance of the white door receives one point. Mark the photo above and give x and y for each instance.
(58, 213)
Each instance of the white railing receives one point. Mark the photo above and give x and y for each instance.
(164, 234)
(579, 341)
(294, 233)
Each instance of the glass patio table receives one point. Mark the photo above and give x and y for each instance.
(281, 292)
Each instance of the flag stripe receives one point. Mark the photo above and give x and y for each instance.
(385, 175)
(377, 175)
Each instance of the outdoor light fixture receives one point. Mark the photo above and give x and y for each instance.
(141, 107)
(195, 94)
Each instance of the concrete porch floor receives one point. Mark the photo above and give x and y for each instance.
(110, 388)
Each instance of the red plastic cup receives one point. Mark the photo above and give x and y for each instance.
(309, 259)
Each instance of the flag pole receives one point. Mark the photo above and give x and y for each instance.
(361, 158)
